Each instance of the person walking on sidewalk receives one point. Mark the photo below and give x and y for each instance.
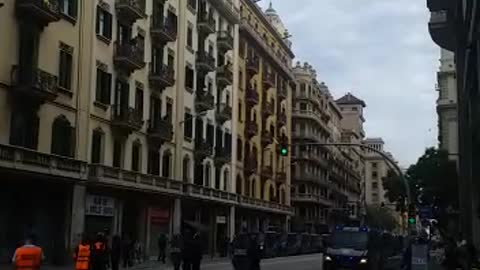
(197, 252)
(176, 251)
(83, 255)
(162, 245)
(99, 253)
(126, 251)
(28, 256)
(116, 252)
(188, 249)
(254, 253)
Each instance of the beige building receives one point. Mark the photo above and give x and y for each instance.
(376, 168)
(447, 104)
(325, 179)
(117, 115)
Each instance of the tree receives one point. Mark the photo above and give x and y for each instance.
(432, 180)
(380, 217)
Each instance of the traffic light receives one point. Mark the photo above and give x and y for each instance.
(283, 147)
(412, 214)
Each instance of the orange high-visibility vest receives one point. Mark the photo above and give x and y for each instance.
(83, 257)
(28, 258)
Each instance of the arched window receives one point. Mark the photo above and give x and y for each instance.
(63, 137)
(166, 163)
(253, 192)
(136, 156)
(302, 189)
(226, 180)
(207, 176)
(273, 196)
(186, 169)
(97, 146)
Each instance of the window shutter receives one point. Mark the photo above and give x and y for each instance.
(99, 92)
(97, 21)
(56, 137)
(62, 69)
(108, 88)
(73, 8)
(61, 4)
(108, 25)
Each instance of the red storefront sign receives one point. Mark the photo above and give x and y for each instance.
(159, 215)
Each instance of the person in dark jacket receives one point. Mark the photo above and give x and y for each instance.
(197, 252)
(176, 247)
(116, 252)
(126, 251)
(162, 245)
(99, 253)
(254, 253)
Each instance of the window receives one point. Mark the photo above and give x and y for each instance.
(374, 175)
(210, 134)
(65, 69)
(169, 114)
(354, 109)
(63, 137)
(189, 78)
(69, 8)
(103, 26)
(153, 165)
(104, 85)
(188, 125)
(24, 129)
(207, 175)
(117, 153)
(375, 185)
(186, 169)
(374, 165)
(240, 111)
(136, 154)
(166, 164)
(139, 101)
(303, 106)
(190, 36)
(239, 149)
(192, 4)
(155, 109)
(97, 141)
(171, 59)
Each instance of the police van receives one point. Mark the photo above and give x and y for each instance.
(347, 248)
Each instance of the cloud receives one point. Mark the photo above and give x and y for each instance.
(381, 51)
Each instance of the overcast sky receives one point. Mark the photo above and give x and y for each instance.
(381, 51)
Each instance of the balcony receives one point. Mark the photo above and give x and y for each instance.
(222, 156)
(129, 56)
(268, 81)
(204, 101)
(119, 178)
(268, 108)
(126, 118)
(442, 30)
(224, 41)
(227, 9)
(271, 207)
(205, 62)
(210, 194)
(27, 160)
(267, 172)
(223, 113)
(282, 119)
(251, 129)
(130, 10)
(252, 96)
(252, 65)
(203, 149)
(224, 76)
(250, 164)
(160, 130)
(161, 76)
(45, 11)
(162, 31)
(267, 138)
(34, 83)
(282, 93)
(438, 5)
(206, 23)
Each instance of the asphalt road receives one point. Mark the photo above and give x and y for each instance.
(305, 262)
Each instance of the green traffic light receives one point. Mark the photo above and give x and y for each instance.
(284, 151)
(411, 221)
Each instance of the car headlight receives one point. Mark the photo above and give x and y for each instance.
(363, 260)
(328, 258)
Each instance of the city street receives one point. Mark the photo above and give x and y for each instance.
(305, 262)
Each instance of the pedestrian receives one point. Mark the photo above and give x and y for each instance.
(254, 253)
(29, 256)
(99, 253)
(116, 252)
(126, 251)
(239, 252)
(82, 255)
(188, 249)
(450, 262)
(162, 245)
(176, 251)
(197, 250)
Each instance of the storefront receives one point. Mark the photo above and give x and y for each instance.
(101, 215)
(158, 223)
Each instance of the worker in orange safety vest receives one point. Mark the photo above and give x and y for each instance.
(28, 256)
(82, 255)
